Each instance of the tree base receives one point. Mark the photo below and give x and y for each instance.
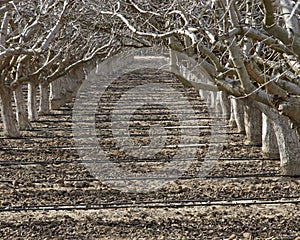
(272, 155)
(232, 123)
(25, 127)
(44, 112)
(68, 97)
(291, 169)
(252, 143)
(55, 104)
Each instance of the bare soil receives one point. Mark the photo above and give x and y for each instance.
(42, 168)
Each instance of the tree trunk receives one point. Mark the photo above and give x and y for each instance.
(269, 142)
(63, 90)
(32, 102)
(232, 121)
(288, 144)
(238, 109)
(287, 139)
(190, 50)
(225, 104)
(203, 94)
(44, 99)
(55, 96)
(253, 124)
(173, 61)
(22, 115)
(78, 77)
(212, 101)
(69, 88)
(8, 117)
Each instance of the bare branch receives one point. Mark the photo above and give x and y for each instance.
(278, 32)
(3, 30)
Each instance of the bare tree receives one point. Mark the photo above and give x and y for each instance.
(41, 41)
(250, 49)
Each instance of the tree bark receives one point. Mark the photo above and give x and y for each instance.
(269, 142)
(55, 95)
(189, 46)
(253, 124)
(225, 104)
(232, 121)
(203, 94)
(289, 146)
(69, 88)
(212, 101)
(173, 61)
(8, 117)
(78, 77)
(44, 98)
(32, 102)
(22, 115)
(238, 109)
(63, 91)
(218, 104)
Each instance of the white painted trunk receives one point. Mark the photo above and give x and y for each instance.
(10, 126)
(212, 101)
(238, 110)
(289, 146)
(225, 104)
(44, 99)
(21, 109)
(269, 142)
(253, 124)
(232, 121)
(203, 94)
(32, 102)
(287, 139)
(55, 95)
